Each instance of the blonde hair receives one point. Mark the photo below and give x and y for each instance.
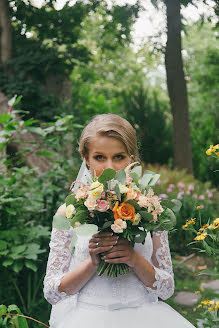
(110, 125)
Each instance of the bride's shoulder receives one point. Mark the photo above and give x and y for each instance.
(61, 210)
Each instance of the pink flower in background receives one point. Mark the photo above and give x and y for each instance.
(163, 196)
(201, 206)
(195, 196)
(190, 187)
(179, 196)
(202, 197)
(102, 205)
(210, 195)
(158, 182)
(188, 192)
(180, 185)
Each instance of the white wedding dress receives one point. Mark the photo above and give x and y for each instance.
(106, 302)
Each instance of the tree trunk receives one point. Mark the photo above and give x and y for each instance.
(5, 32)
(177, 88)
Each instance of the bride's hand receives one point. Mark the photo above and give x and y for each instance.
(122, 252)
(101, 243)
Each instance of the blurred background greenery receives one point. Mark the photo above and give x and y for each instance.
(69, 65)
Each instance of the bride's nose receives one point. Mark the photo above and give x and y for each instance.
(109, 164)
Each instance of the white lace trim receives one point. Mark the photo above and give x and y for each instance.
(107, 290)
(162, 264)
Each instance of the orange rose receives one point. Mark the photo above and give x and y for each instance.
(124, 211)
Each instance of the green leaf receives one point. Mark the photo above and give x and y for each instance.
(60, 222)
(32, 251)
(3, 309)
(207, 247)
(5, 117)
(17, 266)
(117, 190)
(7, 262)
(147, 216)
(18, 249)
(107, 224)
(173, 204)
(80, 216)
(30, 265)
(3, 245)
(140, 237)
(107, 175)
(121, 176)
(134, 204)
(10, 211)
(70, 199)
(14, 308)
(167, 220)
(44, 153)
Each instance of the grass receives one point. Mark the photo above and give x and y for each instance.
(189, 280)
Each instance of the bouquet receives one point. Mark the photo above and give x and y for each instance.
(122, 202)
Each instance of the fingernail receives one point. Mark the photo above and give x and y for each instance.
(103, 257)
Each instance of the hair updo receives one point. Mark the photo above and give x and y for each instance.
(110, 125)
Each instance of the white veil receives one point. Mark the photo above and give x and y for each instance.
(83, 176)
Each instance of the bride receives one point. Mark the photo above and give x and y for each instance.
(81, 298)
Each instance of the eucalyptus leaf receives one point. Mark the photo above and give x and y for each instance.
(137, 170)
(107, 175)
(117, 190)
(167, 220)
(154, 179)
(60, 222)
(86, 230)
(121, 176)
(135, 178)
(144, 181)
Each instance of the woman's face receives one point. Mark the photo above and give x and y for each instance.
(106, 152)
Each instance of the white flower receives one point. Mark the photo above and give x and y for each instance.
(137, 219)
(77, 224)
(123, 189)
(90, 203)
(70, 211)
(118, 226)
(96, 189)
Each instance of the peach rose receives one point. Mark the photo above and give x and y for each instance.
(90, 203)
(124, 211)
(131, 194)
(118, 226)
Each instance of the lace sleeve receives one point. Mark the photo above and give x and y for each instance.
(161, 261)
(57, 265)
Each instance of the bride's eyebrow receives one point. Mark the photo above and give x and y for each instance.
(101, 153)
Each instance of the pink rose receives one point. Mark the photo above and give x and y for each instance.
(102, 205)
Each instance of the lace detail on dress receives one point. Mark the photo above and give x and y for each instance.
(161, 260)
(58, 264)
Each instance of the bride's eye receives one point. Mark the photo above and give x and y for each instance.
(119, 157)
(99, 157)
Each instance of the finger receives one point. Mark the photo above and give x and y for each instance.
(114, 255)
(117, 248)
(102, 234)
(99, 250)
(97, 239)
(118, 260)
(102, 243)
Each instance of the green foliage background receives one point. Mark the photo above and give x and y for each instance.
(89, 46)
